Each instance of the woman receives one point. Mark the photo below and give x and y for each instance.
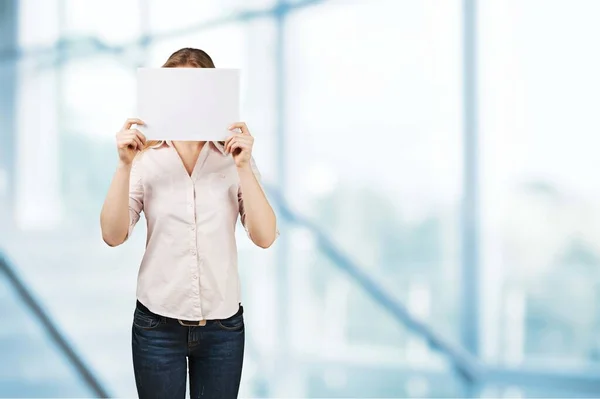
(188, 314)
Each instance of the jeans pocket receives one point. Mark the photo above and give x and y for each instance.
(235, 323)
(144, 320)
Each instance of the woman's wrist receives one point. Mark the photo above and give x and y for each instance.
(244, 168)
(124, 165)
(245, 174)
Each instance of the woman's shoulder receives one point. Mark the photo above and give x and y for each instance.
(149, 151)
(153, 160)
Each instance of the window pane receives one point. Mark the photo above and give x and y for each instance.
(539, 102)
(31, 365)
(373, 137)
(373, 133)
(86, 20)
(178, 15)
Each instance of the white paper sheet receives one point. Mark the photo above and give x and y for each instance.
(196, 104)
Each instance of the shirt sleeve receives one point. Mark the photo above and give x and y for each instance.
(241, 200)
(136, 195)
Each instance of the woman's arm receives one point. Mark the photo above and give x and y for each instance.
(258, 218)
(257, 215)
(123, 202)
(114, 217)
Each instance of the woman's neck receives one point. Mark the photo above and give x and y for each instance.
(189, 145)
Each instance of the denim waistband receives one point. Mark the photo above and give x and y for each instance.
(143, 308)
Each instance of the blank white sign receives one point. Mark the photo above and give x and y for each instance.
(188, 104)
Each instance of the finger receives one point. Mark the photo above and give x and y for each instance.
(231, 140)
(244, 141)
(139, 143)
(138, 134)
(239, 146)
(127, 143)
(243, 138)
(227, 142)
(133, 136)
(249, 140)
(126, 140)
(125, 135)
(132, 121)
(242, 126)
(231, 144)
(234, 147)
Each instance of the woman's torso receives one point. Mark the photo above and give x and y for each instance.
(189, 269)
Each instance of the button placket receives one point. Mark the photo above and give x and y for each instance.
(193, 244)
(193, 225)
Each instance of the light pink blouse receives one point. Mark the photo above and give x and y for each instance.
(189, 270)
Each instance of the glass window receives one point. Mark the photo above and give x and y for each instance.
(372, 127)
(110, 22)
(539, 97)
(183, 16)
(373, 138)
(373, 133)
(32, 365)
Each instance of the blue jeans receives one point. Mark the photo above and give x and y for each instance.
(164, 351)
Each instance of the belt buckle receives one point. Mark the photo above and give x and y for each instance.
(184, 323)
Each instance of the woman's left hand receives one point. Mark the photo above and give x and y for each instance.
(240, 145)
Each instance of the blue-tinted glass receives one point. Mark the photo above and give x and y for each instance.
(31, 365)
(541, 218)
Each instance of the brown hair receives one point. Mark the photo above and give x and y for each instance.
(190, 57)
(186, 57)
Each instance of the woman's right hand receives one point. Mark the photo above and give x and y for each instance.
(130, 141)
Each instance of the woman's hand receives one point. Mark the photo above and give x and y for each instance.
(240, 145)
(130, 141)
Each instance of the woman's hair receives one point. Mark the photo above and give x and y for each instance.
(186, 57)
(190, 57)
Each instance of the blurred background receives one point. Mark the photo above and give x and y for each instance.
(431, 163)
